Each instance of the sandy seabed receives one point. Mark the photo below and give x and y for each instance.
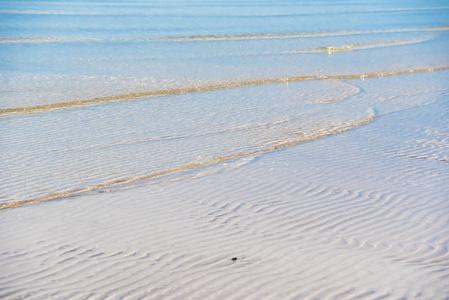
(360, 215)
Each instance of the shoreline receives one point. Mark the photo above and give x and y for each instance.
(353, 215)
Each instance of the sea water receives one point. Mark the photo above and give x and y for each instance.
(98, 96)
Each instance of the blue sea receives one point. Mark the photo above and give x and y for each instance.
(99, 96)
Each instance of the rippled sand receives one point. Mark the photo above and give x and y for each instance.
(341, 217)
(196, 150)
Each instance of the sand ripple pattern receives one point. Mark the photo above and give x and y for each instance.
(199, 134)
(145, 144)
(306, 226)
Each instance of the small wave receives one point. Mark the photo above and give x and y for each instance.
(203, 88)
(402, 95)
(215, 37)
(352, 47)
(292, 35)
(197, 14)
(345, 12)
(110, 186)
(328, 49)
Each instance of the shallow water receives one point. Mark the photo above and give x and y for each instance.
(98, 96)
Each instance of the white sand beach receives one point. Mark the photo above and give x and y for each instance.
(224, 149)
(342, 217)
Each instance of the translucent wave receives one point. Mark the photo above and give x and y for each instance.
(294, 35)
(122, 183)
(215, 37)
(194, 89)
(331, 49)
(355, 46)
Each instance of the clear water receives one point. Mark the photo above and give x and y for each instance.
(105, 95)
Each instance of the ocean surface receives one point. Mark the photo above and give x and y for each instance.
(100, 96)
